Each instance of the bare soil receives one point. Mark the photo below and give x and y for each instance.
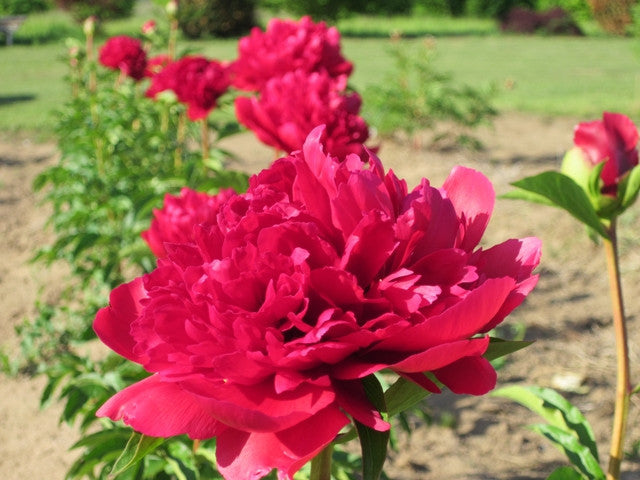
(469, 438)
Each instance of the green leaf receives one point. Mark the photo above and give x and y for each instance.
(555, 409)
(373, 442)
(137, 447)
(565, 473)
(561, 191)
(499, 347)
(402, 395)
(630, 186)
(579, 455)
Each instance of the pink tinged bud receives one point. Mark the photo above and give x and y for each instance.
(149, 27)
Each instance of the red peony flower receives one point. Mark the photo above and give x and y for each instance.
(612, 139)
(286, 46)
(196, 81)
(125, 54)
(291, 106)
(174, 223)
(259, 329)
(149, 27)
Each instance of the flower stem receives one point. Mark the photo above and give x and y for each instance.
(204, 133)
(623, 384)
(321, 464)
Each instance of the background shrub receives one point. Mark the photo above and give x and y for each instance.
(614, 16)
(102, 9)
(220, 18)
(22, 7)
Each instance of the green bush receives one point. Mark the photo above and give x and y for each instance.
(417, 96)
(334, 9)
(22, 7)
(220, 18)
(578, 9)
(102, 9)
(495, 8)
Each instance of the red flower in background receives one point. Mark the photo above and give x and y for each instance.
(174, 223)
(259, 329)
(286, 46)
(125, 54)
(612, 140)
(289, 107)
(196, 81)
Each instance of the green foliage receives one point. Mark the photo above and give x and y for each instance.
(417, 96)
(220, 18)
(495, 8)
(555, 189)
(102, 9)
(334, 9)
(22, 7)
(566, 428)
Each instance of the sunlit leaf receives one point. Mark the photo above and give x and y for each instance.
(561, 191)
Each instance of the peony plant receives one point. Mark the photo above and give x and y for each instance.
(600, 179)
(267, 321)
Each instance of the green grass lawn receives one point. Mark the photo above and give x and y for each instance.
(546, 75)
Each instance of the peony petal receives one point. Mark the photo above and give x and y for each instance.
(243, 455)
(473, 198)
(161, 409)
(258, 407)
(352, 398)
(113, 323)
(442, 355)
(469, 376)
(464, 319)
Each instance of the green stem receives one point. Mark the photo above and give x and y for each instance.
(623, 384)
(204, 134)
(321, 464)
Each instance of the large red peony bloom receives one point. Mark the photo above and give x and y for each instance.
(259, 329)
(196, 81)
(174, 223)
(612, 139)
(286, 46)
(125, 54)
(289, 107)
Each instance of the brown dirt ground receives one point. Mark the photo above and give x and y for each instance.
(470, 438)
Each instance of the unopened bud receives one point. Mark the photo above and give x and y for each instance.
(172, 8)
(89, 26)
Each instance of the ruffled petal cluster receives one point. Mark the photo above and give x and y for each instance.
(289, 107)
(612, 140)
(259, 328)
(196, 81)
(125, 54)
(284, 47)
(174, 223)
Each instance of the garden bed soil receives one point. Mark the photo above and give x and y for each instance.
(568, 316)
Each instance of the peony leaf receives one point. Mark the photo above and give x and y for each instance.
(556, 410)
(137, 447)
(561, 191)
(630, 186)
(373, 442)
(499, 347)
(565, 473)
(579, 455)
(402, 395)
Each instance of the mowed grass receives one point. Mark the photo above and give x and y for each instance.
(546, 75)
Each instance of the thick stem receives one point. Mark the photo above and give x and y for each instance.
(623, 384)
(321, 464)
